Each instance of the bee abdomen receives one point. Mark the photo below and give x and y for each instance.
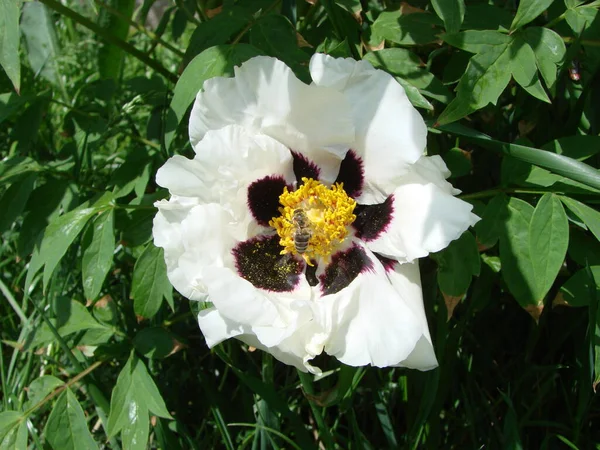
(301, 238)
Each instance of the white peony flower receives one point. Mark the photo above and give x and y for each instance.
(303, 213)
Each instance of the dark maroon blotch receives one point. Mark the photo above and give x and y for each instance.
(387, 263)
(352, 174)
(259, 261)
(263, 198)
(372, 220)
(303, 167)
(343, 269)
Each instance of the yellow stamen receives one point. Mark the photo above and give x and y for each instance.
(329, 212)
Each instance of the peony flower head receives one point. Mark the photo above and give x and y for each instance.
(304, 211)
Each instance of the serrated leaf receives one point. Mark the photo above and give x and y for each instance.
(66, 428)
(41, 41)
(9, 41)
(527, 11)
(590, 216)
(452, 12)
(98, 255)
(14, 199)
(484, 81)
(212, 62)
(150, 282)
(457, 264)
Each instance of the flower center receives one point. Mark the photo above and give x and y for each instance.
(314, 219)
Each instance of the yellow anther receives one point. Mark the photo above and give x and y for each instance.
(329, 212)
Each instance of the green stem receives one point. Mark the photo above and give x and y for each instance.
(493, 192)
(252, 22)
(556, 20)
(111, 39)
(140, 28)
(589, 42)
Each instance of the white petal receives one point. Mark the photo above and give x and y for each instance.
(217, 328)
(371, 323)
(425, 219)
(390, 133)
(227, 162)
(406, 279)
(266, 97)
(193, 238)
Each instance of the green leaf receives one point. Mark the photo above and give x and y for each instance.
(9, 41)
(529, 10)
(135, 434)
(213, 62)
(62, 231)
(484, 81)
(579, 147)
(517, 267)
(408, 69)
(134, 393)
(13, 201)
(9, 421)
(483, 16)
(489, 228)
(524, 70)
(406, 29)
(474, 41)
(110, 57)
(452, 12)
(150, 283)
(549, 50)
(533, 248)
(276, 36)
(42, 206)
(584, 249)
(72, 317)
(588, 215)
(40, 388)
(11, 103)
(98, 254)
(559, 164)
(457, 264)
(41, 41)
(154, 342)
(576, 290)
(217, 30)
(66, 428)
(549, 240)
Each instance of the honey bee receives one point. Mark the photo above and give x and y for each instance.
(302, 231)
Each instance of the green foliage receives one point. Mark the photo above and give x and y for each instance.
(95, 96)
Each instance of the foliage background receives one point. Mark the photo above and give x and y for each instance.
(98, 351)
